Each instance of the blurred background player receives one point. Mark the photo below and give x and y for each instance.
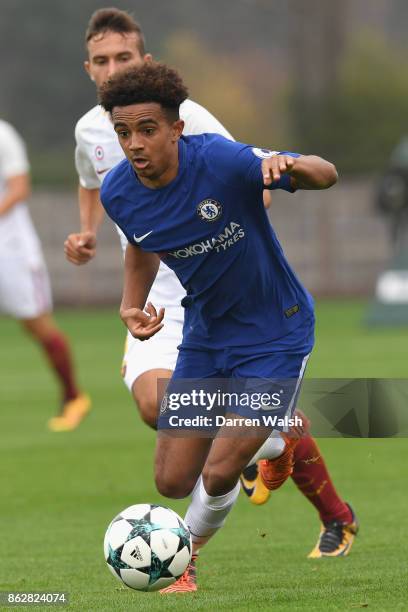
(115, 42)
(339, 525)
(25, 292)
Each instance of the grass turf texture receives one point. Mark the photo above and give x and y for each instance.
(59, 491)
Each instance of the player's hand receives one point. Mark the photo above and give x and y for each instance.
(143, 324)
(80, 248)
(300, 431)
(273, 167)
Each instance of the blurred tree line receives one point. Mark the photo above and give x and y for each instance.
(316, 76)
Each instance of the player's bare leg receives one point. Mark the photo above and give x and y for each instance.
(215, 491)
(175, 476)
(75, 405)
(144, 391)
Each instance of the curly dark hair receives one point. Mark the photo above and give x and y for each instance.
(151, 82)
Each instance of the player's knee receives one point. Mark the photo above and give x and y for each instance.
(218, 479)
(31, 327)
(174, 486)
(42, 327)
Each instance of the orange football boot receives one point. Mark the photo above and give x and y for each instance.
(274, 472)
(187, 583)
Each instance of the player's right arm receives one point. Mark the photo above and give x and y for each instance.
(14, 168)
(140, 271)
(17, 189)
(80, 247)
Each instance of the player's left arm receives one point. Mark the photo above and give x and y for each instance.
(237, 164)
(17, 190)
(304, 171)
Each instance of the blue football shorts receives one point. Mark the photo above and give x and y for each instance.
(251, 382)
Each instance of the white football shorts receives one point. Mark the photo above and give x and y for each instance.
(25, 291)
(159, 352)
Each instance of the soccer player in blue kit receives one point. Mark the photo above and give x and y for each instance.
(196, 203)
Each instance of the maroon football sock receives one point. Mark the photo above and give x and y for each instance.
(312, 478)
(59, 355)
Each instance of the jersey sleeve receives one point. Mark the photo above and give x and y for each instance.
(284, 182)
(241, 164)
(198, 120)
(13, 156)
(84, 167)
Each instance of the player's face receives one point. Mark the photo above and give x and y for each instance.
(149, 141)
(112, 52)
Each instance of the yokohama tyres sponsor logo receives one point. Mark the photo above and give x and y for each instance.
(227, 238)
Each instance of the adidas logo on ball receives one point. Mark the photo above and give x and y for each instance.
(136, 554)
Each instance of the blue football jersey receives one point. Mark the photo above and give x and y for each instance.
(210, 226)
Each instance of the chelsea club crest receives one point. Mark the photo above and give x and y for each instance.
(209, 210)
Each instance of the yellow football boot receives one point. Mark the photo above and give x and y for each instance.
(253, 486)
(335, 538)
(72, 414)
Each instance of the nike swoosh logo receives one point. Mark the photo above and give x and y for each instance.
(246, 485)
(141, 237)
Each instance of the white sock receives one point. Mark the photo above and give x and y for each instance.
(206, 514)
(270, 449)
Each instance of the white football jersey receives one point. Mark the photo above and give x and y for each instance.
(98, 151)
(13, 157)
(13, 161)
(24, 284)
(16, 222)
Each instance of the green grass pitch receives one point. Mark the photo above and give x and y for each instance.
(59, 491)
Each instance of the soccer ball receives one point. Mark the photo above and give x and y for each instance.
(147, 547)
